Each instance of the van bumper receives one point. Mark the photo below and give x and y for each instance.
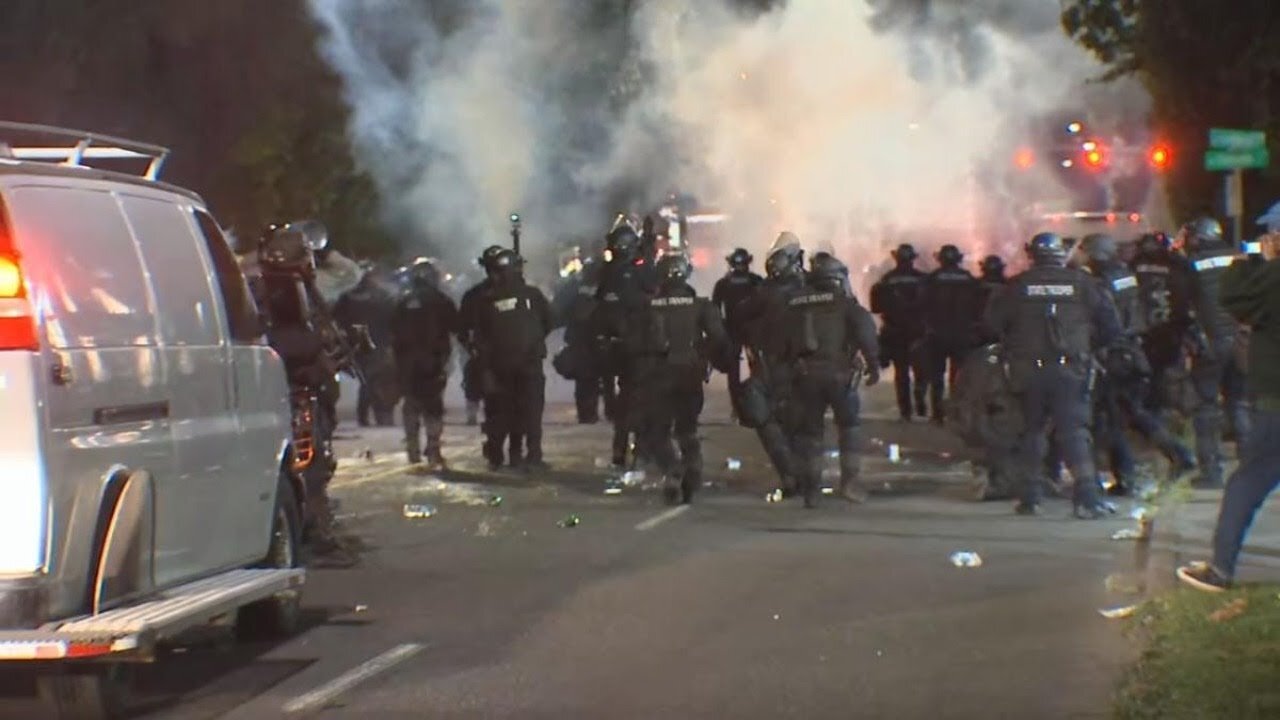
(23, 602)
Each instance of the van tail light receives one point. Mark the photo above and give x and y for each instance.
(17, 321)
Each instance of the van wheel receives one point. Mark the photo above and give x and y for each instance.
(93, 693)
(278, 615)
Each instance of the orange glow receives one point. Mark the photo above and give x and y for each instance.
(10, 278)
(1135, 217)
(1111, 217)
(1160, 157)
(1024, 159)
(1093, 158)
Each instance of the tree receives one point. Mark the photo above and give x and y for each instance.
(1206, 65)
(235, 88)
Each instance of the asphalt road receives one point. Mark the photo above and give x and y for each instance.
(733, 607)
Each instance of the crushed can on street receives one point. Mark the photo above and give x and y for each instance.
(966, 559)
(495, 501)
(415, 511)
(774, 497)
(732, 464)
(569, 522)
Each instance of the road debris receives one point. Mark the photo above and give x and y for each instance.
(1230, 611)
(571, 521)
(495, 501)
(732, 464)
(360, 608)
(828, 490)
(603, 462)
(773, 497)
(613, 488)
(966, 559)
(1129, 534)
(833, 454)
(418, 510)
(1119, 612)
(776, 616)
(895, 453)
(632, 478)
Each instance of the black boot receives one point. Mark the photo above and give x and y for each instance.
(435, 429)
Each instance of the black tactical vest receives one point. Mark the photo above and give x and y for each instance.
(671, 329)
(1162, 289)
(1051, 320)
(897, 297)
(511, 330)
(816, 328)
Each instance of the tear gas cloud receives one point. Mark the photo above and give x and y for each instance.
(852, 123)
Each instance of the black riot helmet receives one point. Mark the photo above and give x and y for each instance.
(828, 273)
(992, 266)
(623, 243)
(1155, 243)
(905, 254)
(1203, 232)
(950, 255)
(785, 263)
(488, 256)
(424, 274)
(507, 264)
(1100, 248)
(285, 250)
(1048, 249)
(674, 269)
(739, 260)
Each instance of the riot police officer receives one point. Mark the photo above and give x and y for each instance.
(1216, 374)
(991, 278)
(1164, 286)
(897, 298)
(300, 330)
(951, 312)
(1118, 396)
(578, 361)
(673, 338)
(370, 306)
(737, 285)
(512, 322)
(824, 329)
(1049, 318)
(764, 405)
(473, 385)
(626, 282)
(422, 328)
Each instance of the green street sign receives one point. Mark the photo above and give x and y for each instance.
(1218, 160)
(1237, 140)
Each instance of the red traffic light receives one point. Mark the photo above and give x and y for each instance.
(1159, 157)
(1094, 155)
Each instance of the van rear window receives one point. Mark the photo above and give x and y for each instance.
(86, 276)
(242, 312)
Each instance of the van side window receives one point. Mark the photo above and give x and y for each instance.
(89, 285)
(242, 311)
(185, 302)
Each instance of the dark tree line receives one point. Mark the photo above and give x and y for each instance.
(1206, 64)
(234, 87)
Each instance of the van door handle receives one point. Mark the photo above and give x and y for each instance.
(61, 373)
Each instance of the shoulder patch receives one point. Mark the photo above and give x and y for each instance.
(1051, 290)
(671, 301)
(1126, 282)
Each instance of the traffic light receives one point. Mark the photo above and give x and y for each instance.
(1095, 156)
(1159, 157)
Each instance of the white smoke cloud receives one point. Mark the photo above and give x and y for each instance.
(847, 122)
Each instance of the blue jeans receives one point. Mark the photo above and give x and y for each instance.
(1247, 489)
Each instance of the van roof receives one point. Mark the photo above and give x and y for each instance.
(43, 169)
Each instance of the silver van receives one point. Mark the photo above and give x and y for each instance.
(145, 483)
